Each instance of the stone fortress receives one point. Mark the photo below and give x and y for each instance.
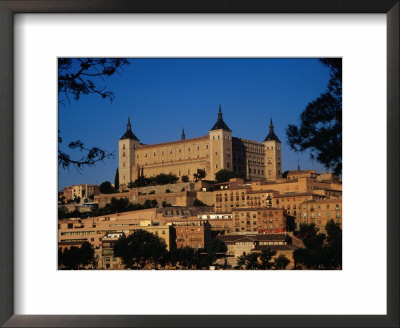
(215, 151)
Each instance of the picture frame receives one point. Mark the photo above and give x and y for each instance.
(10, 7)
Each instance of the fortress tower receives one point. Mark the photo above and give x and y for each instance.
(272, 150)
(220, 146)
(127, 146)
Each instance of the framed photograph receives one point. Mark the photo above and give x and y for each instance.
(170, 60)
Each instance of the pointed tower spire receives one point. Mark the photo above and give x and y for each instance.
(183, 137)
(220, 122)
(128, 133)
(271, 135)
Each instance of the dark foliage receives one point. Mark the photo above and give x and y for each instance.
(119, 205)
(116, 180)
(225, 175)
(106, 187)
(257, 261)
(75, 258)
(83, 76)
(140, 249)
(200, 175)
(320, 131)
(160, 179)
(321, 252)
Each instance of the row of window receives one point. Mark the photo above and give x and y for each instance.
(328, 214)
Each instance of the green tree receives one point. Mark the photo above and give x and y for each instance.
(290, 223)
(333, 245)
(86, 254)
(140, 248)
(106, 187)
(185, 178)
(200, 175)
(116, 180)
(83, 76)
(321, 252)
(60, 257)
(225, 175)
(281, 262)
(266, 257)
(213, 247)
(71, 257)
(320, 130)
(241, 261)
(252, 261)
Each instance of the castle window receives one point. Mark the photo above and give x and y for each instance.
(123, 154)
(145, 155)
(137, 156)
(216, 166)
(154, 154)
(188, 148)
(189, 172)
(206, 146)
(213, 137)
(170, 151)
(272, 147)
(216, 153)
(218, 137)
(228, 165)
(123, 146)
(162, 152)
(198, 147)
(180, 150)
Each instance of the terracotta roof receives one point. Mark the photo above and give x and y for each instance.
(296, 194)
(255, 237)
(255, 209)
(275, 248)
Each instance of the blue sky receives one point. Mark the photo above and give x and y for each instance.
(163, 95)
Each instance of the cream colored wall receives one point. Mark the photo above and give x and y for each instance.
(273, 160)
(126, 155)
(220, 151)
(183, 157)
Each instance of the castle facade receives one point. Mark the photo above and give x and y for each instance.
(213, 152)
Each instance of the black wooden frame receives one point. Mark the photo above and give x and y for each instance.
(7, 10)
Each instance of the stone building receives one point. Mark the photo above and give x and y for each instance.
(215, 151)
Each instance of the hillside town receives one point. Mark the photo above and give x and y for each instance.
(210, 202)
